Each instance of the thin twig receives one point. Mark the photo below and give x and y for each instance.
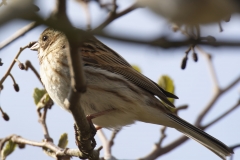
(113, 16)
(223, 115)
(220, 27)
(157, 147)
(1, 62)
(4, 114)
(163, 136)
(104, 140)
(49, 145)
(43, 122)
(107, 144)
(13, 62)
(13, 79)
(234, 147)
(182, 107)
(211, 69)
(213, 101)
(113, 136)
(28, 64)
(18, 34)
(42, 116)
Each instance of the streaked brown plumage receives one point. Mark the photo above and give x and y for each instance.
(113, 84)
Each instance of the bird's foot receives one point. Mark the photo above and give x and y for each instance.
(93, 130)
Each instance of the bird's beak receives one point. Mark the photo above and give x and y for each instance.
(35, 47)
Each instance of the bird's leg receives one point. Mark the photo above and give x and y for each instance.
(98, 127)
(93, 128)
(98, 114)
(95, 115)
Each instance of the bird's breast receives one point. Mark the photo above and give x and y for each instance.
(54, 72)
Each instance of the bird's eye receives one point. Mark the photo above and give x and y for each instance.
(45, 38)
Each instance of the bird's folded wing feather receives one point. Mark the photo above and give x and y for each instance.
(94, 53)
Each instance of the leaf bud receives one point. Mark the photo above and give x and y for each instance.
(16, 87)
(184, 62)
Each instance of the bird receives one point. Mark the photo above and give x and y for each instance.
(114, 88)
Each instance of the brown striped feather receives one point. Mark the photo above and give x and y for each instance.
(116, 80)
(113, 92)
(109, 60)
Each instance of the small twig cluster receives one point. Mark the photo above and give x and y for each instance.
(108, 144)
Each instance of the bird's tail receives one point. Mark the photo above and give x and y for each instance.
(202, 137)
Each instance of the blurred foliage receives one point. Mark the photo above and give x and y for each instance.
(137, 68)
(166, 83)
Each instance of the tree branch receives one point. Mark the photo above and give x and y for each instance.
(28, 64)
(67, 28)
(49, 145)
(158, 151)
(163, 136)
(59, 12)
(13, 62)
(223, 115)
(107, 144)
(211, 69)
(113, 136)
(213, 101)
(234, 147)
(18, 34)
(42, 116)
(163, 42)
(113, 16)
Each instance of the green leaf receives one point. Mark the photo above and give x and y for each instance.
(167, 84)
(38, 94)
(43, 101)
(47, 98)
(8, 149)
(63, 141)
(137, 68)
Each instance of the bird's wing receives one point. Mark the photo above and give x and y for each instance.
(95, 53)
